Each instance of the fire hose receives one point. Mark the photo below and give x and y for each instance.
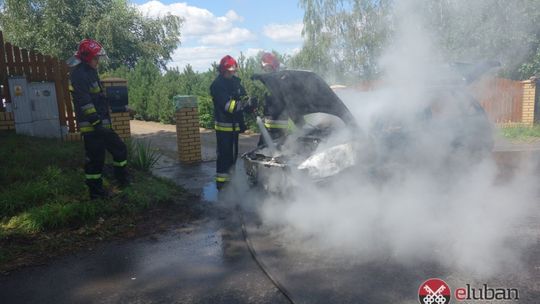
(260, 263)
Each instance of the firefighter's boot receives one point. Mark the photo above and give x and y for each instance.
(95, 187)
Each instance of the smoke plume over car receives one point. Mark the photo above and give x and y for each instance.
(425, 201)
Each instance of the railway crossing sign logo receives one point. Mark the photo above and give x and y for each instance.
(434, 291)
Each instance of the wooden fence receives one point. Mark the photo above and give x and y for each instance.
(36, 68)
(502, 99)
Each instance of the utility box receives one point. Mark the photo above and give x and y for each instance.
(118, 98)
(35, 108)
(116, 90)
(45, 118)
(20, 104)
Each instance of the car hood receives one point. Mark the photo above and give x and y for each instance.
(304, 92)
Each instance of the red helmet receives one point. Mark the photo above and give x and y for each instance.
(227, 63)
(88, 49)
(270, 62)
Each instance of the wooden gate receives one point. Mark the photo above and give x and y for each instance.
(501, 98)
(37, 67)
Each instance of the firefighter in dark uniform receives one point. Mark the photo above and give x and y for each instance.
(230, 103)
(276, 119)
(93, 118)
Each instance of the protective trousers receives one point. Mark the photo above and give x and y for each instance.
(227, 153)
(95, 145)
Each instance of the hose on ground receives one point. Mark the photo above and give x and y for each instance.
(260, 263)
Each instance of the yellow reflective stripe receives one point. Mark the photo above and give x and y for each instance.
(86, 129)
(120, 163)
(226, 127)
(222, 178)
(89, 111)
(93, 176)
(95, 90)
(232, 105)
(276, 126)
(96, 122)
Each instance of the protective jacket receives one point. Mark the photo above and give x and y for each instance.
(91, 106)
(229, 98)
(275, 116)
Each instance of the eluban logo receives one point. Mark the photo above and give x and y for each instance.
(434, 291)
(486, 293)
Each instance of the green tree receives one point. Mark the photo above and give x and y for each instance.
(507, 31)
(55, 27)
(343, 38)
(142, 81)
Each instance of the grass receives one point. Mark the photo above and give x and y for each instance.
(142, 155)
(521, 133)
(42, 189)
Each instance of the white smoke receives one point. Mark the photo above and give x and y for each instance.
(424, 201)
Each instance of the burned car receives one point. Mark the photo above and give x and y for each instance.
(328, 140)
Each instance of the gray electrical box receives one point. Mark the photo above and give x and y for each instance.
(22, 110)
(45, 118)
(35, 108)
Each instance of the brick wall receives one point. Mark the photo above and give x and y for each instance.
(120, 124)
(527, 114)
(187, 132)
(7, 123)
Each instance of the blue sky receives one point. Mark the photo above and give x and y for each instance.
(214, 28)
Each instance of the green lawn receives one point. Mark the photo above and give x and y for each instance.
(521, 133)
(42, 191)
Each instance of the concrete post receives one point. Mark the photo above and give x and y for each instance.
(187, 129)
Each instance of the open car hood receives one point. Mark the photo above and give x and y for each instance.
(303, 93)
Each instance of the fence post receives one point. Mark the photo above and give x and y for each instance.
(120, 120)
(527, 113)
(187, 129)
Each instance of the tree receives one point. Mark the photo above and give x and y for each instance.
(506, 31)
(142, 82)
(344, 39)
(55, 27)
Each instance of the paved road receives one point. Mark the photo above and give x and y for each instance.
(208, 262)
(201, 262)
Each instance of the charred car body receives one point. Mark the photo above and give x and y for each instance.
(327, 139)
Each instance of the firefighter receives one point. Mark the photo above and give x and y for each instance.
(93, 118)
(230, 103)
(275, 117)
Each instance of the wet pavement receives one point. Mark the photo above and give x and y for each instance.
(208, 261)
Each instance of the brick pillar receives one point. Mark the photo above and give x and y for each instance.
(187, 129)
(119, 117)
(7, 122)
(120, 124)
(527, 114)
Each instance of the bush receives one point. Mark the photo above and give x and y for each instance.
(141, 155)
(206, 112)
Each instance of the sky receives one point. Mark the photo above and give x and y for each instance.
(213, 28)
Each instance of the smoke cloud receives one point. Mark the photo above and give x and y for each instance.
(420, 198)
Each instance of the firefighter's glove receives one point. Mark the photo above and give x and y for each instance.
(250, 104)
